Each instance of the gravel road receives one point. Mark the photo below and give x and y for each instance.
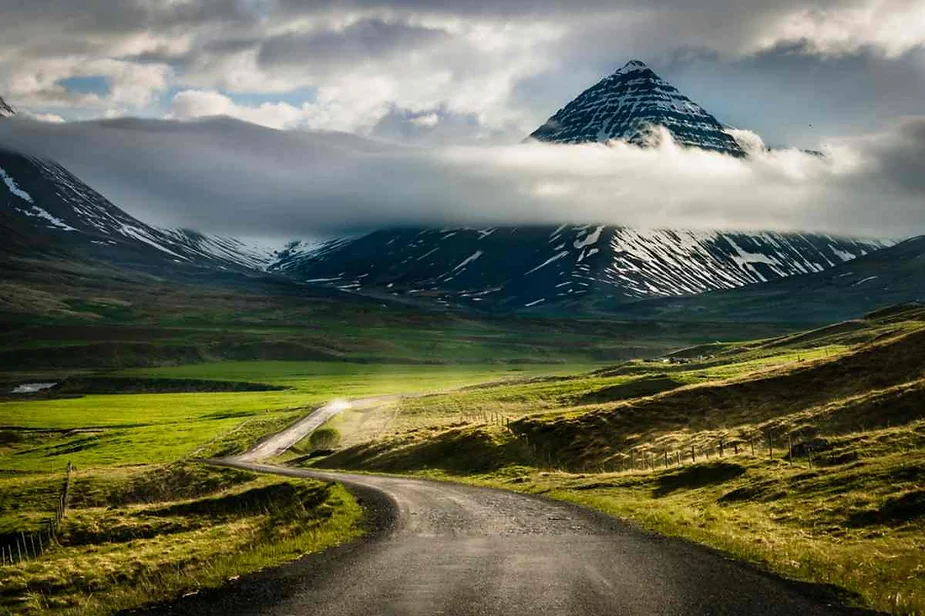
(442, 548)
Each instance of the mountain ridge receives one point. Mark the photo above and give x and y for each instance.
(543, 267)
(505, 269)
(43, 199)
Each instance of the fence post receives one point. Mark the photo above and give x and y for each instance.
(693, 456)
(790, 447)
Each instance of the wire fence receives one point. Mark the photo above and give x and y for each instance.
(793, 444)
(23, 546)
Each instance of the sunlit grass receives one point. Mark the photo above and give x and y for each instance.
(123, 556)
(850, 512)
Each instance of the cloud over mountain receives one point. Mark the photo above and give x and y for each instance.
(222, 175)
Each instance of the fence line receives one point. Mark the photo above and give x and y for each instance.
(32, 545)
(653, 457)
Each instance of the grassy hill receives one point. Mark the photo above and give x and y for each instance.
(804, 453)
(73, 316)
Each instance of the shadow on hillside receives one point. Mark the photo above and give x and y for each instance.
(697, 476)
(467, 450)
(638, 388)
(893, 512)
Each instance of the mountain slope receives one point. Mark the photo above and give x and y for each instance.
(537, 268)
(626, 105)
(45, 204)
(894, 275)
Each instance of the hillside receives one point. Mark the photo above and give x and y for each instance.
(47, 207)
(802, 453)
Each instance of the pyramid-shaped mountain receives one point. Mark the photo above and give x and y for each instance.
(627, 105)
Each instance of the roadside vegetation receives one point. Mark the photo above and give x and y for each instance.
(804, 454)
(135, 536)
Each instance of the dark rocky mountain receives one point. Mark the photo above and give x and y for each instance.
(577, 267)
(543, 268)
(887, 277)
(627, 105)
(45, 205)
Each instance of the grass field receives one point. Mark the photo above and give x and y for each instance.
(102, 430)
(804, 454)
(145, 521)
(571, 408)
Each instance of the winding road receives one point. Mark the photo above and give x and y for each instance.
(443, 548)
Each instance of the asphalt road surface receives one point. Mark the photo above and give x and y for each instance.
(449, 549)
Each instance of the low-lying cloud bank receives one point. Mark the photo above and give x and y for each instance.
(225, 176)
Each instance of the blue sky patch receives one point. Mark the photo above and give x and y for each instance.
(90, 84)
(296, 98)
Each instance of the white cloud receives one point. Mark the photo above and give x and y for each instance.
(191, 104)
(432, 59)
(48, 117)
(894, 26)
(231, 177)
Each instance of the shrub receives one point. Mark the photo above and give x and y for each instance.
(324, 438)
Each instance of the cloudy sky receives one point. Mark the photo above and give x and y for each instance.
(469, 80)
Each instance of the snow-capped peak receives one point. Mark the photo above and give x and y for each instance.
(631, 67)
(5, 110)
(626, 105)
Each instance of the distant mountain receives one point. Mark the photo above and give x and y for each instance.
(568, 269)
(547, 268)
(577, 268)
(44, 205)
(627, 105)
(894, 275)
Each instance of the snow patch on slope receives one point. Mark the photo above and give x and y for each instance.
(14, 187)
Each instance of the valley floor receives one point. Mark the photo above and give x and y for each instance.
(803, 453)
(146, 522)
